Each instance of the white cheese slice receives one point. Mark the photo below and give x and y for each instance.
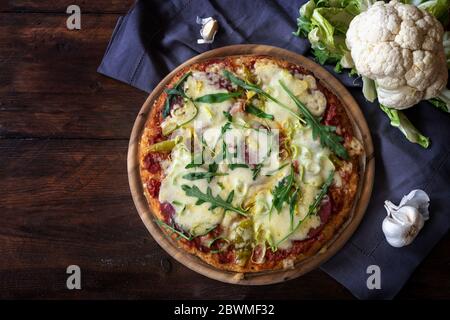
(193, 218)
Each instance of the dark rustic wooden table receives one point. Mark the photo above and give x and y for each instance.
(64, 196)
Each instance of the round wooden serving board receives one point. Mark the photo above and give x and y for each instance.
(267, 277)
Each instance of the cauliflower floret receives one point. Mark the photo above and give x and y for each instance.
(400, 47)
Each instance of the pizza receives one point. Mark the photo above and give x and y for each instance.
(249, 162)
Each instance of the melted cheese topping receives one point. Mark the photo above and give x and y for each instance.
(252, 185)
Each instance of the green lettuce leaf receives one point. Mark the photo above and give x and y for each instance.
(442, 101)
(438, 8)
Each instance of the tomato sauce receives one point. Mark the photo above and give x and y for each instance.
(151, 162)
(153, 187)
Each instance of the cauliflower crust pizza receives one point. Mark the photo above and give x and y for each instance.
(249, 163)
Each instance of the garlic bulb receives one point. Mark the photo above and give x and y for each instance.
(403, 222)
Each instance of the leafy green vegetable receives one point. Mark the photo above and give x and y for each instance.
(202, 175)
(336, 19)
(325, 30)
(438, 8)
(399, 120)
(292, 204)
(441, 105)
(325, 23)
(282, 191)
(313, 208)
(270, 173)
(210, 243)
(258, 112)
(215, 202)
(304, 20)
(174, 91)
(181, 116)
(233, 166)
(442, 101)
(180, 234)
(368, 89)
(217, 97)
(323, 55)
(193, 165)
(325, 133)
(212, 168)
(228, 116)
(256, 170)
(338, 68)
(173, 230)
(252, 87)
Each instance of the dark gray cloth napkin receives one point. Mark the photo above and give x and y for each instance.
(156, 36)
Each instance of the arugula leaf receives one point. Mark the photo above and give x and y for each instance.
(210, 243)
(258, 112)
(180, 234)
(313, 208)
(228, 116)
(192, 165)
(282, 191)
(217, 97)
(256, 170)
(325, 133)
(212, 168)
(323, 191)
(202, 175)
(175, 90)
(215, 202)
(252, 87)
(233, 166)
(292, 203)
(270, 173)
(173, 230)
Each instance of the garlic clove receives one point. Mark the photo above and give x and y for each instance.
(407, 215)
(209, 29)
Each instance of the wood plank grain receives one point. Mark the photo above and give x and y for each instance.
(70, 115)
(40, 55)
(97, 6)
(49, 86)
(67, 202)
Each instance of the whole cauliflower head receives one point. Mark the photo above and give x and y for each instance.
(400, 47)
